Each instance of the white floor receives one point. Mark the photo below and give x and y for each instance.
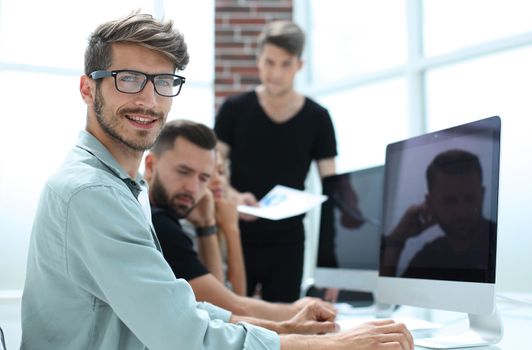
(10, 322)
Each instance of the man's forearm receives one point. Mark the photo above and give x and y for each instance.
(209, 253)
(277, 327)
(298, 342)
(270, 311)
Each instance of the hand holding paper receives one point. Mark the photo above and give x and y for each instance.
(283, 202)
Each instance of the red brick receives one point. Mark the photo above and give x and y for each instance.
(249, 31)
(244, 70)
(229, 64)
(229, 45)
(250, 80)
(247, 21)
(224, 81)
(234, 56)
(231, 9)
(238, 23)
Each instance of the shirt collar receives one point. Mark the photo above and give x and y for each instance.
(91, 144)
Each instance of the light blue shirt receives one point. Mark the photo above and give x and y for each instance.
(96, 278)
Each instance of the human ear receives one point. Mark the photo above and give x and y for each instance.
(87, 88)
(149, 163)
(300, 64)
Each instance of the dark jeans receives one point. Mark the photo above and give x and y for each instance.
(277, 268)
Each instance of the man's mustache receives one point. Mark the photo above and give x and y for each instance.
(187, 196)
(139, 110)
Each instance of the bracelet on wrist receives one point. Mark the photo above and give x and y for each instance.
(206, 231)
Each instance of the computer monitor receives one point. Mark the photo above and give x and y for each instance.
(348, 250)
(439, 240)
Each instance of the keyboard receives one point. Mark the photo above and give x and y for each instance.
(417, 327)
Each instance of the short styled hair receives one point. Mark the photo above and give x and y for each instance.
(284, 34)
(136, 28)
(453, 162)
(198, 134)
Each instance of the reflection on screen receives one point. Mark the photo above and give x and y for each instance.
(441, 207)
(350, 224)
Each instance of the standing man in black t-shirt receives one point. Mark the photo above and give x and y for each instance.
(271, 135)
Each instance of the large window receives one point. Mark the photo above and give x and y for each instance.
(41, 58)
(392, 69)
(452, 25)
(361, 39)
(363, 122)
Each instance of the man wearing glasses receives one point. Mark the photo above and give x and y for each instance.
(96, 278)
(132, 81)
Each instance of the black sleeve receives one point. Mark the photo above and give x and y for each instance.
(178, 249)
(326, 141)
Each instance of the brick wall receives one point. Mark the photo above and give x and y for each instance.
(237, 24)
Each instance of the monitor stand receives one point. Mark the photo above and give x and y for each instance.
(483, 330)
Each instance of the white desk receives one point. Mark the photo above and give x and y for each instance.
(517, 322)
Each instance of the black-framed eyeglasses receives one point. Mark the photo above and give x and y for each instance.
(132, 82)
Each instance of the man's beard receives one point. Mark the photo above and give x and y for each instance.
(162, 199)
(110, 127)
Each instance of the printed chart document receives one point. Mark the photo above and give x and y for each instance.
(283, 202)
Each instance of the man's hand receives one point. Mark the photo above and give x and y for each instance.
(314, 318)
(300, 304)
(415, 220)
(203, 213)
(331, 294)
(382, 334)
(247, 198)
(226, 215)
(346, 198)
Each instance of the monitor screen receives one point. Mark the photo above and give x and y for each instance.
(350, 229)
(440, 218)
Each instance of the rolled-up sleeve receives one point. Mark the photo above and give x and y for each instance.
(260, 338)
(215, 312)
(111, 254)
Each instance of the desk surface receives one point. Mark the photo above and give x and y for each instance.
(516, 319)
(517, 322)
